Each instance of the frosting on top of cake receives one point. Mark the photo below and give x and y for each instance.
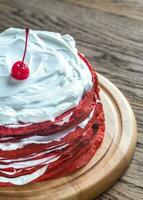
(58, 77)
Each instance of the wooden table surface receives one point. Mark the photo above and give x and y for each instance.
(110, 34)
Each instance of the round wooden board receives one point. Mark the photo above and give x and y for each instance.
(109, 163)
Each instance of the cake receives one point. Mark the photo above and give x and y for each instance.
(51, 115)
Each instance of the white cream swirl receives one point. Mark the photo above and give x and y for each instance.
(58, 77)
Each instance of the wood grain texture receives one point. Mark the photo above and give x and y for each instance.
(110, 34)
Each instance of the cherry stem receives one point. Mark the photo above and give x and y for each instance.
(24, 54)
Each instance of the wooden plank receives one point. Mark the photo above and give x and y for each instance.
(131, 9)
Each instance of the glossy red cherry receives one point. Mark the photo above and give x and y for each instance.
(20, 70)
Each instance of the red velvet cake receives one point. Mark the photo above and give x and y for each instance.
(51, 116)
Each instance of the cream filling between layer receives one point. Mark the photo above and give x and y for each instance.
(31, 163)
(21, 180)
(43, 139)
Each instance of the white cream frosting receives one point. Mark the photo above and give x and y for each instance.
(65, 119)
(58, 77)
(30, 163)
(5, 172)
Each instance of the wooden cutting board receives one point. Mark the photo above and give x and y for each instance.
(109, 163)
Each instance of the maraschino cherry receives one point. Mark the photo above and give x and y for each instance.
(20, 70)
